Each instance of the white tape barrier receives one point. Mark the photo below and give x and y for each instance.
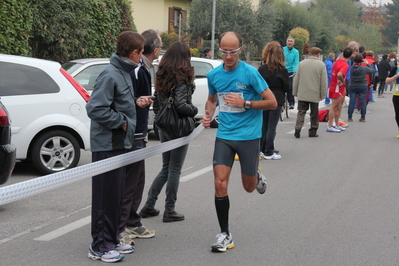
(41, 184)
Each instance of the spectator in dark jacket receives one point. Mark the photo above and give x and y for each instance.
(112, 112)
(358, 86)
(130, 224)
(392, 63)
(276, 76)
(383, 70)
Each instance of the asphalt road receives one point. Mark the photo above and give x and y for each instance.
(331, 200)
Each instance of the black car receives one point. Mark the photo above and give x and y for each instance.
(7, 150)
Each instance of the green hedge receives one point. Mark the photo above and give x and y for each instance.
(15, 27)
(63, 30)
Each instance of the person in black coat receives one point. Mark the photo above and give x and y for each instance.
(276, 75)
(383, 70)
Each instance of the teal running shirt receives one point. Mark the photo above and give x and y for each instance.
(245, 79)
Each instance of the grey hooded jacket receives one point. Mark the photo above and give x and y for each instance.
(112, 104)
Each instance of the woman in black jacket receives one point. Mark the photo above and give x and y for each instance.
(274, 72)
(175, 71)
(383, 71)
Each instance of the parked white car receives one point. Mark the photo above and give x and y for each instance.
(85, 71)
(47, 106)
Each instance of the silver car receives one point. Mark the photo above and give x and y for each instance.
(85, 71)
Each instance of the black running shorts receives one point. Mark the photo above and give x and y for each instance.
(247, 151)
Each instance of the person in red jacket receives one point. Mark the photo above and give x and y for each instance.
(370, 78)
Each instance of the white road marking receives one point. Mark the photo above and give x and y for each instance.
(87, 220)
(64, 230)
(37, 228)
(196, 174)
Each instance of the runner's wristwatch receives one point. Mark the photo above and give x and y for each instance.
(247, 104)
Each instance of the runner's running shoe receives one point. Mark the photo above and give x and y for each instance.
(262, 184)
(223, 243)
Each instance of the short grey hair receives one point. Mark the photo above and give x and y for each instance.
(290, 37)
(353, 45)
(151, 40)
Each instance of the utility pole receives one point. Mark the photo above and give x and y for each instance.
(213, 28)
(398, 45)
(179, 26)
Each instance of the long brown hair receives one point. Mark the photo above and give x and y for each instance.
(392, 55)
(175, 67)
(273, 56)
(266, 49)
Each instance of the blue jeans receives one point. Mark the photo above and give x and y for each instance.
(371, 94)
(270, 121)
(172, 163)
(361, 92)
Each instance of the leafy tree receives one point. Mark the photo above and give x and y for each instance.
(264, 24)
(200, 19)
(172, 36)
(255, 27)
(290, 17)
(392, 16)
(301, 36)
(126, 15)
(344, 11)
(374, 16)
(362, 35)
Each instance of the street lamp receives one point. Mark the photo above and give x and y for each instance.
(213, 28)
(398, 44)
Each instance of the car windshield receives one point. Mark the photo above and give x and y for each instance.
(71, 66)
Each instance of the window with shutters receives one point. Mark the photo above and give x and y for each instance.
(177, 19)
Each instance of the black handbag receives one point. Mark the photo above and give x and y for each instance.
(170, 122)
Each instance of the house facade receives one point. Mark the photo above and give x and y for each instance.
(159, 14)
(162, 15)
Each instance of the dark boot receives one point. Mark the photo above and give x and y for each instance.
(297, 133)
(313, 133)
(172, 217)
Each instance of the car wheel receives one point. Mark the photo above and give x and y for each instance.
(215, 123)
(55, 151)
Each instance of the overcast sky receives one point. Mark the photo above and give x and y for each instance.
(383, 2)
(366, 2)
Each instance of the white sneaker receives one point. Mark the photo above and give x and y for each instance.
(262, 155)
(223, 243)
(333, 129)
(262, 183)
(274, 156)
(341, 128)
(109, 256)
(124, 249)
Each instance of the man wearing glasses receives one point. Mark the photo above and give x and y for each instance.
(242, 94)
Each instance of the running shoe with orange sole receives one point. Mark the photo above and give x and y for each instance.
(342, 124)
